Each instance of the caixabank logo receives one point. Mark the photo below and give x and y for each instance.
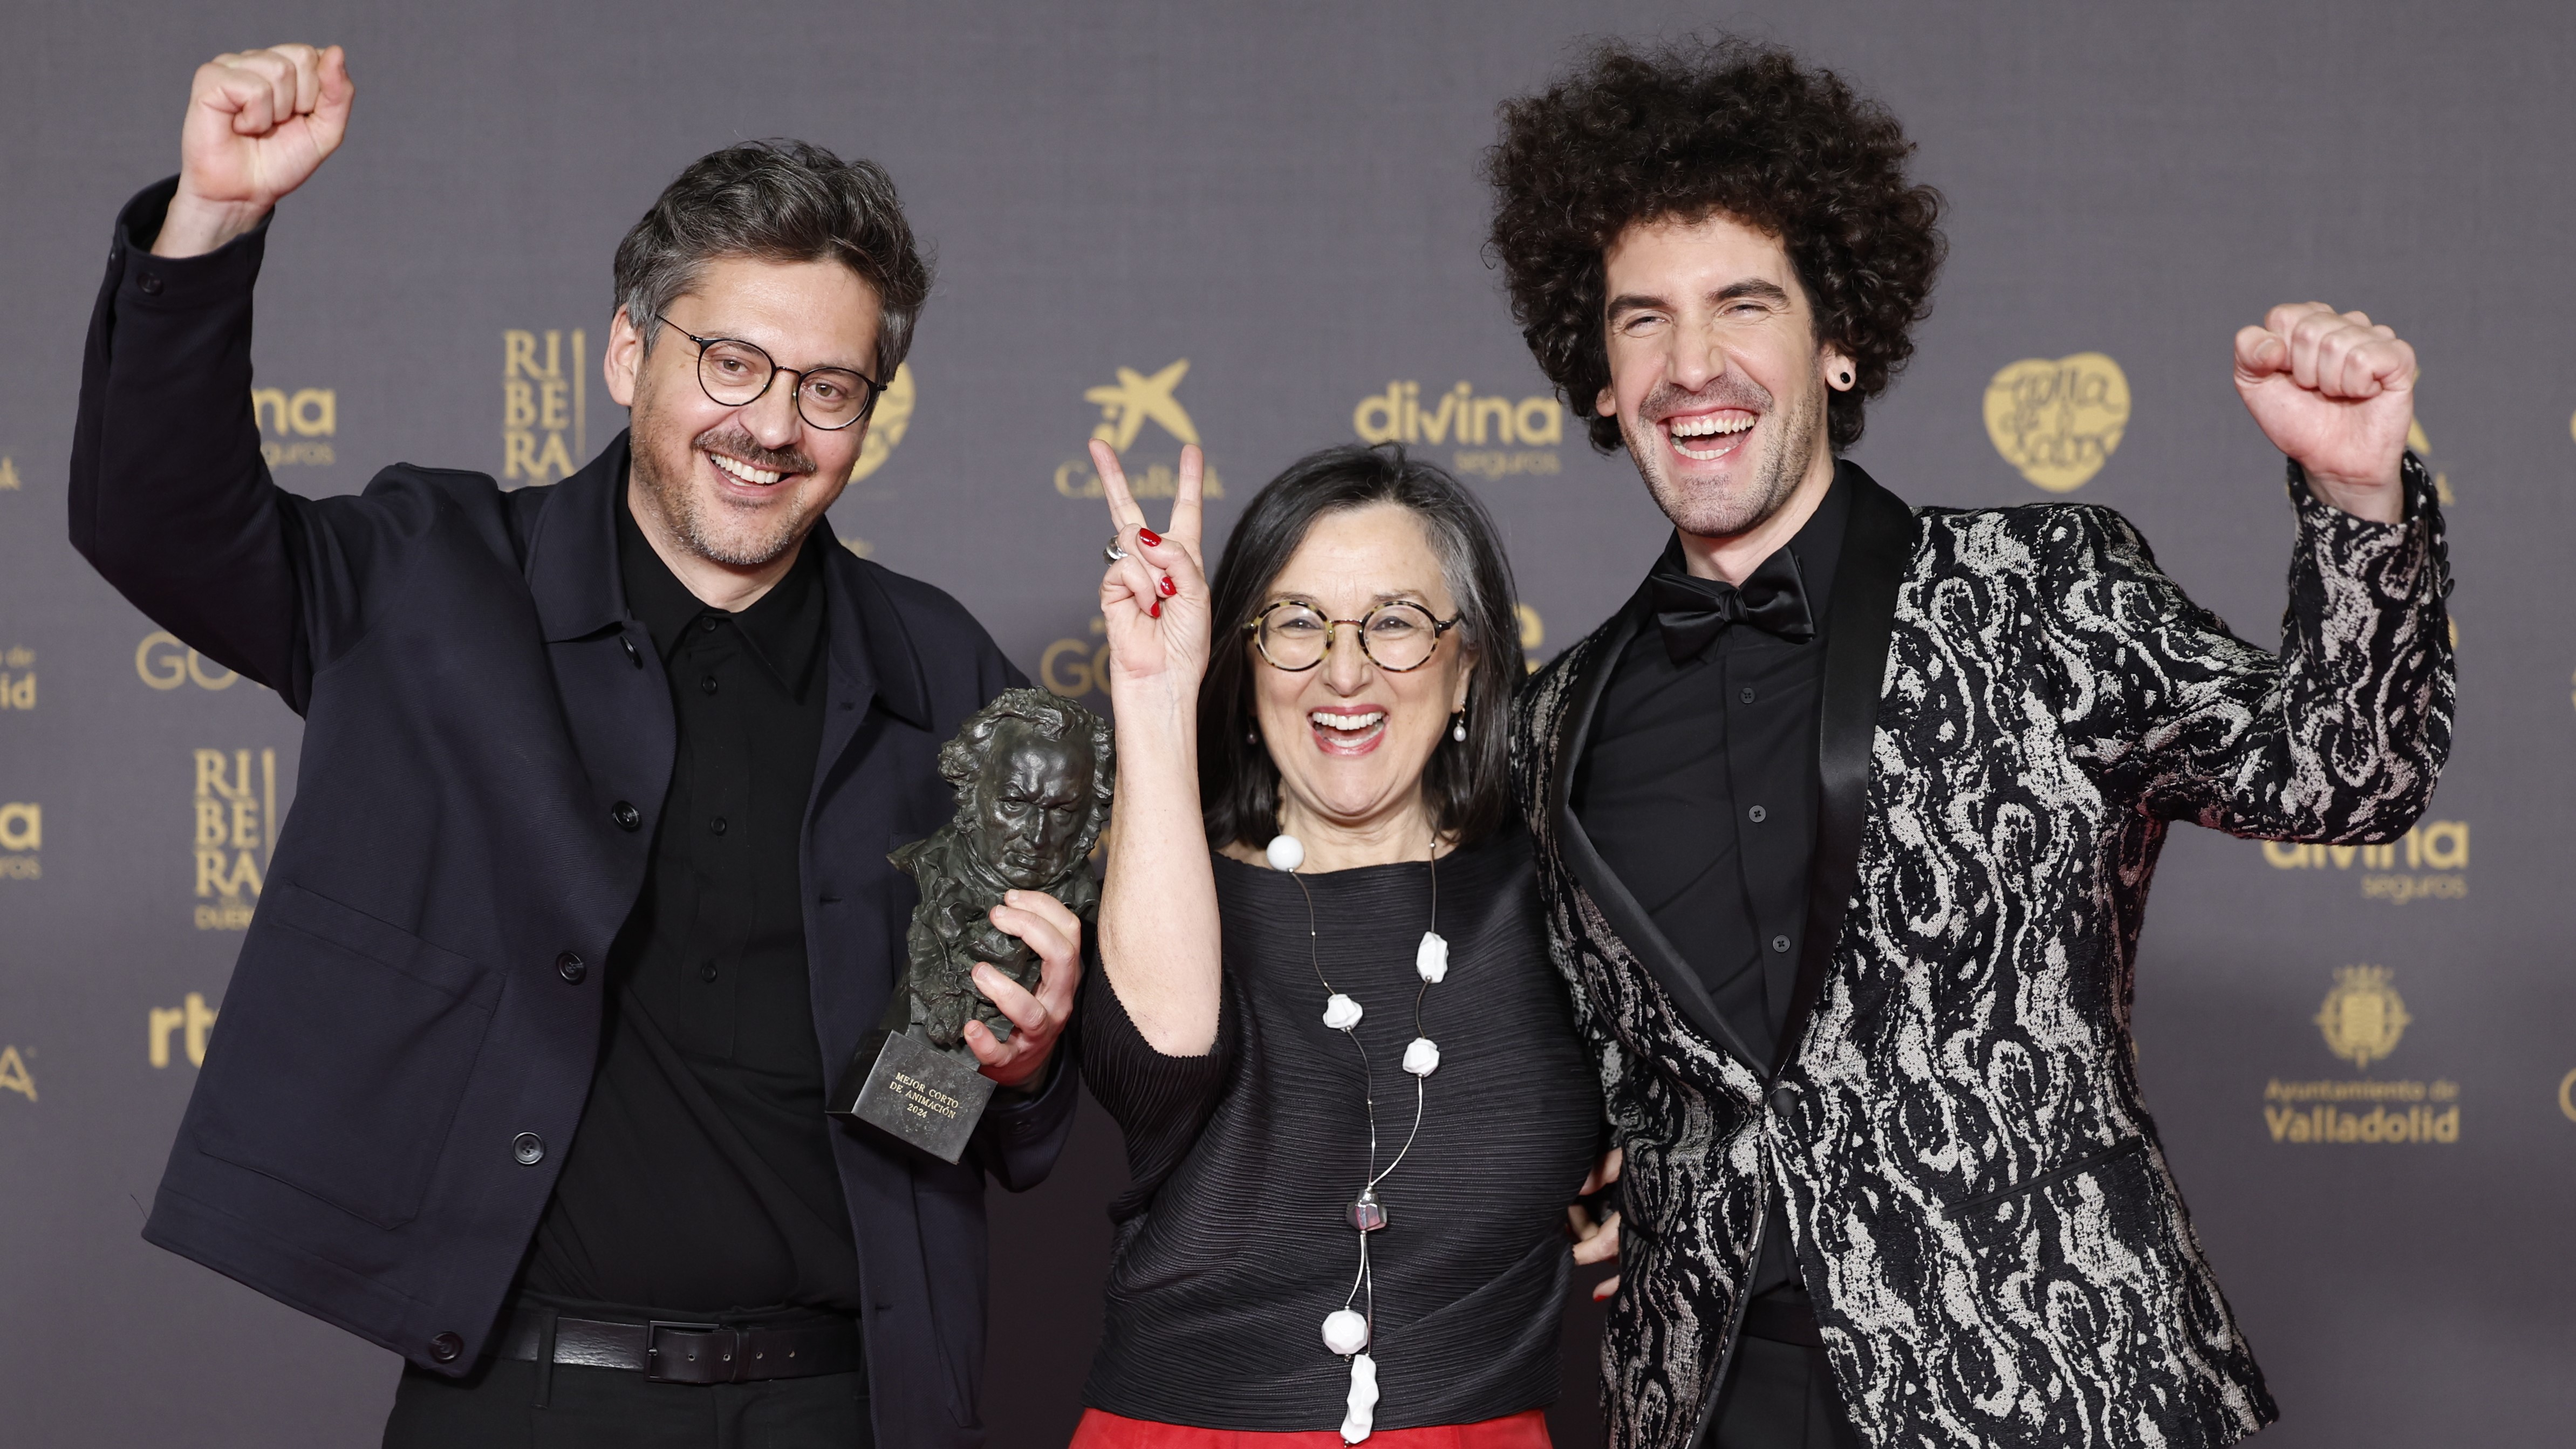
(1126, 405)
(2363, 1020)
(1488, 435)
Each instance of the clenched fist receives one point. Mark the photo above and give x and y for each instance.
(259, 122)
(2337, 393)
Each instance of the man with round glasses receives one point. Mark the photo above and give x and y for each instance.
(585, 886)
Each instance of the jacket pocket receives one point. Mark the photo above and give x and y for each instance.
(345, 1046)
(2120, 1151)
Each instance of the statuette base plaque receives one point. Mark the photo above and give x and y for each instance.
(904, 1085)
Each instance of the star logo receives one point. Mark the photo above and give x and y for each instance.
(1125, 408)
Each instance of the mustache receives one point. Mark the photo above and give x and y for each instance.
(1731, 389)
(735, 441)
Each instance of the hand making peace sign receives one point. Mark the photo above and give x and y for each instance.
(1154, 600)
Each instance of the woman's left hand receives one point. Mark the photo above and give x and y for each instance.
(1597, 1242)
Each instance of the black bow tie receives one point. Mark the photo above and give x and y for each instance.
(1693, 611)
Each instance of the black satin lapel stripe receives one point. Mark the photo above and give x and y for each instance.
(1878, 549)
(1625, 916)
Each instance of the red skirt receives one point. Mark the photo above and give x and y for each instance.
(1525, 1430)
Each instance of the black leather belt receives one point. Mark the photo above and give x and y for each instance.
(685, 1353)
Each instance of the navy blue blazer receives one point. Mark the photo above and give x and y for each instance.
(420, 986)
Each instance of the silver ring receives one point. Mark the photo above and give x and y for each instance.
(1111, 551)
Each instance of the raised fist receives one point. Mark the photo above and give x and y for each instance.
(259, 122)
(2336, 392)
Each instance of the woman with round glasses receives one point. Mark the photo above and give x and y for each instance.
(1355, 1105)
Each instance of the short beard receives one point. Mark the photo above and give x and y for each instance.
(1714, 513)
(685, 513)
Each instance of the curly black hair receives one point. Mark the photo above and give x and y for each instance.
(1686, 131)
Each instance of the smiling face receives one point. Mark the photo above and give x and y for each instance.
(1032, 800)
(742, 486)
(1716, 376)
(1350, 740)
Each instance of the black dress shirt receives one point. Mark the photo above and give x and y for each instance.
(1699, 789)
(702, 1178)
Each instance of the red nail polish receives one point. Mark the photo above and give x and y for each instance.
(1169, 588)
(1150, 537)
(1156, 611)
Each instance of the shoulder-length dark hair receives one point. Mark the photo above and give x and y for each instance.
(1466, 785)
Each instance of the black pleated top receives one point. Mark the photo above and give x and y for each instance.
(1232, 1243)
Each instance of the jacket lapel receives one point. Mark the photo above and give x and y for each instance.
(868, 656)
(1628, 920)
(1878, 549)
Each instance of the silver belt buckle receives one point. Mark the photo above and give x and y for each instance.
(716, 1359)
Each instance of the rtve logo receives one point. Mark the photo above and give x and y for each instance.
(295, 427)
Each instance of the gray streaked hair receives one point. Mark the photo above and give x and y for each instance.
(777, 200)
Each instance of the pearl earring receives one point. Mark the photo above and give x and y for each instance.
(1252, 736)
(1458, 727)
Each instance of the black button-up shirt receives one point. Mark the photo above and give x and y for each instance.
(1699, 789)
(702, 1179)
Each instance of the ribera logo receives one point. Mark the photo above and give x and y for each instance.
(236, 832)
(545, 428)
(1490, 435)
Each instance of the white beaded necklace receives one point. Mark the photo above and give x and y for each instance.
(1347, 1331)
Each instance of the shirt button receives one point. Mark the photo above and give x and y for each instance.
(149, 284)
(718, 825)
(446, 1347)
(1780, 943)
(626, 816)
(634, 656)
(707, 625)
(1757, 814)
(707, 973)
(569, 966)
(706, 684)
(529, 1148)
(1784, 1098)
(1745, 694)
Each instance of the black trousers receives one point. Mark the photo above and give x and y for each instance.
(496, 1407)
(1778, 1396)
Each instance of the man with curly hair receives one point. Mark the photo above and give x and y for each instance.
(1846, 820)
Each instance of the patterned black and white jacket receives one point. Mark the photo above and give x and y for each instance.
(2017, 705)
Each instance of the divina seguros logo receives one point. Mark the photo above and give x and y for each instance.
(1490, 436)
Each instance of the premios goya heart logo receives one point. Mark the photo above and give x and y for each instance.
(886, 425)
(2058, 422)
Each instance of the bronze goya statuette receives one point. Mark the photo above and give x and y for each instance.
(1033, 773)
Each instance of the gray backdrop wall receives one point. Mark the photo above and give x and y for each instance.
(1270, 218)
